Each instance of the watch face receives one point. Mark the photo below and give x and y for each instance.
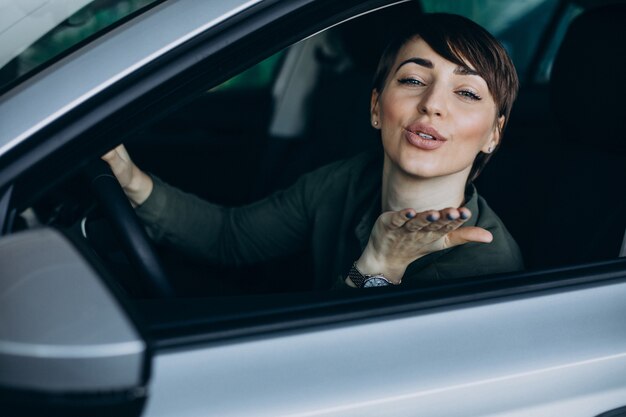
(376, 282)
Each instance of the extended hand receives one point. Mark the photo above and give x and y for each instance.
(400, 237)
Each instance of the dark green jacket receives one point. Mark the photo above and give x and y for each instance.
(331, 211)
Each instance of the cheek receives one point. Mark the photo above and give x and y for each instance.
(393, 105)
(475, 128)
(392, 111)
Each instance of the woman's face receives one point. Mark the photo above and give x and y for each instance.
(434, 116)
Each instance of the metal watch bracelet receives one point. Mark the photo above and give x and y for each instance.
(362, 280)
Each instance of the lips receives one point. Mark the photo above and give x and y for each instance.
(424, 136)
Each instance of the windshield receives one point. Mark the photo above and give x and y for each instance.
(35, 33)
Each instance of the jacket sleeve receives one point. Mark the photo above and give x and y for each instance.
(275, 226)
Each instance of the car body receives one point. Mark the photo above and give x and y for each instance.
(549, 341)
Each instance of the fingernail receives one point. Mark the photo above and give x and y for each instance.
(431, 218)
(464, 215)
(410, 215)
(451, 217)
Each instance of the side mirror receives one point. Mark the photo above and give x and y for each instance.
(67, 347)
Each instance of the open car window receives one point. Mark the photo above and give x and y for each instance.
(302, 107)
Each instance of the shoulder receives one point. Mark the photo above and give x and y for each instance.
(331, 187)
(361, 170)
(349, 168)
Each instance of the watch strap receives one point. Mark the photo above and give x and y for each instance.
(359, 279)
(356, 276)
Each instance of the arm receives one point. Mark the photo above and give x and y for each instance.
(272, 227)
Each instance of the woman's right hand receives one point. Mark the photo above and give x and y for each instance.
(137, 185)
(401, 237)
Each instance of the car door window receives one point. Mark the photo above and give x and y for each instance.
(212, 154)
(228, 162)
(260, 76)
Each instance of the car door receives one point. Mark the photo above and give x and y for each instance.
(542, 348)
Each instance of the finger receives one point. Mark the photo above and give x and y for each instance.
(464, 235)
(109, 156)
(117, 152)
(447, 217)
(450, 214)
(422, 220)
(397, 219)
(123, 153)
(464, 215)
(116, 163)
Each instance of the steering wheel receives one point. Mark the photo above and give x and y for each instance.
(128, 229)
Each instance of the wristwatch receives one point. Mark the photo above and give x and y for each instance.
(366, 281)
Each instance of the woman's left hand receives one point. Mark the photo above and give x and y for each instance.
(401, 237)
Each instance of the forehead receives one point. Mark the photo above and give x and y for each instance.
(417, 47)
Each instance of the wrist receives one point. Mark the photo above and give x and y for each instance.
(371, 265)
(139, 188)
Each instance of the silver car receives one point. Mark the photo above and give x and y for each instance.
(245, 96)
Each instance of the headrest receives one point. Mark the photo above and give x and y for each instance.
(588, 83)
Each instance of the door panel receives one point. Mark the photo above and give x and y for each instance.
(544, 355)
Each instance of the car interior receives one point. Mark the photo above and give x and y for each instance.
(551, 169)
(555, 181)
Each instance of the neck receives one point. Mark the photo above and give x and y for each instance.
(401, 190)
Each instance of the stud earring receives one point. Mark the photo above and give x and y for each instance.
(490, 149)
(375, 122)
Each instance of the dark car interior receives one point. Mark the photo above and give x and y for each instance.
(556, 182)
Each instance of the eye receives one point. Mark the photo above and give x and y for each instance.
(469, 94)
(411, 81)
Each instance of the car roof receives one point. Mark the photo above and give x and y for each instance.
(45, 97)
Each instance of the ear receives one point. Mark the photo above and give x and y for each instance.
(495, 136)
(375, 109)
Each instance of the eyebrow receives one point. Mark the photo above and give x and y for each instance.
(460, 70)
(416, 60)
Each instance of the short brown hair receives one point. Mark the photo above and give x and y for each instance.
(463, 42)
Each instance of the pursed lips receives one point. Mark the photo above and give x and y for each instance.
(424, 137)
(425, 131)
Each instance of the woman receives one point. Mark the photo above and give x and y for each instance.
(442, 95)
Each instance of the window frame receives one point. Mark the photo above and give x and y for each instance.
(155, 90)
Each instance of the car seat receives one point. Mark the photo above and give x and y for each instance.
(588, 203)
(560, 189)
(337, 119)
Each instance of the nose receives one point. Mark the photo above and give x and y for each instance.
(433, 102)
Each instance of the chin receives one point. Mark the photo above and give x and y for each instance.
(430, 169)
(419, 169)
